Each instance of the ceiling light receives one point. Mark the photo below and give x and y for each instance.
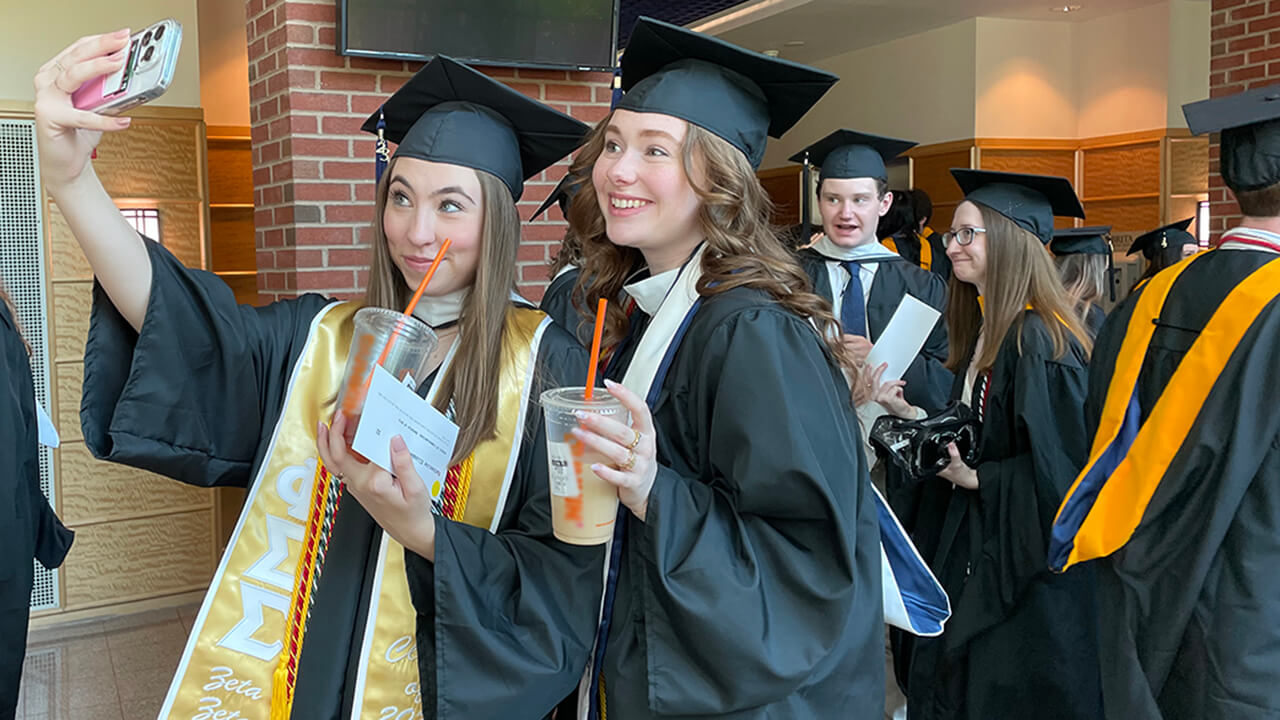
(793, 43)
(1064, 8)
(771, 53)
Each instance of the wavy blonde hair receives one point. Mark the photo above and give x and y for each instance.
(471, 383)
(743, 250)
(1019, 273)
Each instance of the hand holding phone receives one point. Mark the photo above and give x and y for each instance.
(146, 74)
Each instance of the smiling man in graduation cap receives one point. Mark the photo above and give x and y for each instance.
(864, 280)
(1181, 494)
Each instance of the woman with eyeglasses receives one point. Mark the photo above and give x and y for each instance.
(1021, 641)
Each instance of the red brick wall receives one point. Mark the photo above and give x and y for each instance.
(313, 167)
(1244, 54)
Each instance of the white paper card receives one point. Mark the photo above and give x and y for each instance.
(902, 338)
(560, 462)
(392, 409)
(48, 433)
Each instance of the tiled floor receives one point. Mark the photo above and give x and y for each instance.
(109, 669)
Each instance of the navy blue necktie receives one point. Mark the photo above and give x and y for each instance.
(853, 309)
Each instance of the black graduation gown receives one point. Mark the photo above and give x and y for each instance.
(909, 249)
(928, 379)
(752, 589)
(1190, 606)
(1094, 316)
(557, 303)
(28, 526)
(1022, 641)
(196, 395)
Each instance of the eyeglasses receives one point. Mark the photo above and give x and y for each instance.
(964, 235)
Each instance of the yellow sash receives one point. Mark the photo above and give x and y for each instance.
(1122, 500)
(387, 683)
(926, 252)
(236, 639)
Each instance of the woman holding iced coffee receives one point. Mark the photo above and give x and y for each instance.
(182, 381)
(745, 575)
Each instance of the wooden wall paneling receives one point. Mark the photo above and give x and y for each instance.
(71, 303)
(94, 491)
(68, 377)
(1188, 166)
(141, 558)
(230, 170)
(932, 173)
(244, 286)
(783, 186)
(236, 223)
(1125, 171)
(182, 233)
(1182, 207)
(1046, 161)
(155, 159)
(66, 260)
(1137, 214)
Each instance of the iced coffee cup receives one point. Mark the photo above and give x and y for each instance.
(400, 343)
(583, 507)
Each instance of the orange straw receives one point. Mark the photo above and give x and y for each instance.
(595, 346)
(417, 295)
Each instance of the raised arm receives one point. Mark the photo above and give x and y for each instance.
(67, 138)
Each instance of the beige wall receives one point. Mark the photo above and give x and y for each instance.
(1123, 70)
(919, 88)
(33, 32)
(1024, 79)
(224, 63)
(1188, 56)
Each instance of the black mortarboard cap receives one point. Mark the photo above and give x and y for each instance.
(740, 95)
(449, 113)
(1171, 235)
(562, 194)
(1030, 201)
(1250, 141)
(1093, 240)
(850, 154)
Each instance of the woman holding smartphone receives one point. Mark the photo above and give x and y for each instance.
(1021, 641)
(744, 578)
(182, 381)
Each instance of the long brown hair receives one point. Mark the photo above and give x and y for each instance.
(742, 248)
(13, 313)
(1085, 278)
(472, 380)
(1019, 273)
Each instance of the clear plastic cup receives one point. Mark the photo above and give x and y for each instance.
(401, 342)
(583, 507)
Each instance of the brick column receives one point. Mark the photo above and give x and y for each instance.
(1244, 54)
(313, 167)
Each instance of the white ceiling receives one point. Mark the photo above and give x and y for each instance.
(831, 27)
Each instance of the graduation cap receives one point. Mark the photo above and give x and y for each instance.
(1250, 141)
(1171, 235)
(740, 95)
(849, 154)
(452, 114)
(1094, 240)
(1030, 201)
(562, 194)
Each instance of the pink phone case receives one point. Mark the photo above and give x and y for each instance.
(89, 96)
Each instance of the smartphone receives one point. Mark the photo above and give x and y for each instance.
(146, 74)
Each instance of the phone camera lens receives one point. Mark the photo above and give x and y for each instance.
(146, 38)
(146, 56)
(159, 32)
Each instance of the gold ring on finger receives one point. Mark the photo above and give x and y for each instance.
(634, 441)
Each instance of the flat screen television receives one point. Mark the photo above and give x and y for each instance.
(556, 34)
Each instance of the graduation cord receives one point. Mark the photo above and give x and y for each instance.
(326, 493)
